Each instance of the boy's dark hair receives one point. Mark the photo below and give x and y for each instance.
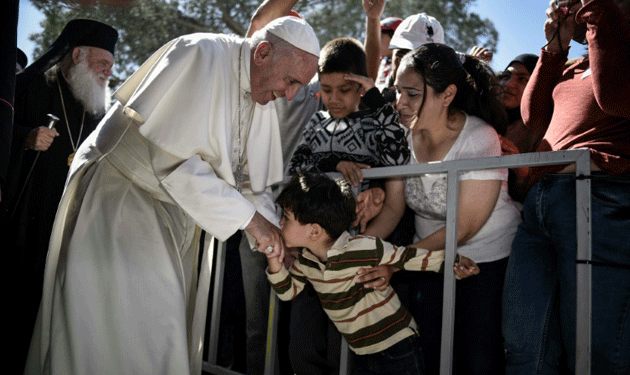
(343, 55)
(318, 199)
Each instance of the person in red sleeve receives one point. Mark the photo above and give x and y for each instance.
(584, 105)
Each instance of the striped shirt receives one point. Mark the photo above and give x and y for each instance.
(370, 320)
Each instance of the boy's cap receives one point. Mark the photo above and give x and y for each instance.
(390, 23)
(417, 30)
(296, 31)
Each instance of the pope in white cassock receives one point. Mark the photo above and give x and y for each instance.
(169, 159)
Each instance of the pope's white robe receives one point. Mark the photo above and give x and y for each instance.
(120, 290)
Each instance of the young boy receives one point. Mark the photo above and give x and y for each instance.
(344, 138)
(316, 213)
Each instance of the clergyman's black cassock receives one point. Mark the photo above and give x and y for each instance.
(27, 233)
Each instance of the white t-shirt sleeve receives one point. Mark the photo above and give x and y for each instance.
(480, 140)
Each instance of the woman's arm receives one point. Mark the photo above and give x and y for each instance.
(393, 209)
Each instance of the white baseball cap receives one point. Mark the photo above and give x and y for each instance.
(296, 31)
(417, 30)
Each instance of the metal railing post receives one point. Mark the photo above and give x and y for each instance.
(583, 272)
(448, 301)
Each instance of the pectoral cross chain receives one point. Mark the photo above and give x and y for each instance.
(240, 177)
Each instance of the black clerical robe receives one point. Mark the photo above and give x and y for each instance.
(27, 231)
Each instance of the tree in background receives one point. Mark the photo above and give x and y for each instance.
(145, 25)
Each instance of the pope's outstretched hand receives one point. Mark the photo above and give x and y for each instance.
(268, 236)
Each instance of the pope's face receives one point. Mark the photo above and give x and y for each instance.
(280, 75)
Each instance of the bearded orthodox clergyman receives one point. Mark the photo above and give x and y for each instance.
(70, 81)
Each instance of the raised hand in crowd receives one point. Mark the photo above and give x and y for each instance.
(482, 53)
(373, 12)
(560, 24)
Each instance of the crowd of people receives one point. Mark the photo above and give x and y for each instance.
(107, 197)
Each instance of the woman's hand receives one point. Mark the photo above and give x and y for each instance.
(369, 204)
(376, 277)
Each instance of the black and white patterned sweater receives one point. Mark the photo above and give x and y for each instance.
(372, 136)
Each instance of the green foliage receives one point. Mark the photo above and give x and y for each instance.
(148, 24)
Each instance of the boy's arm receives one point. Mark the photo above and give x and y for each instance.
(286, 284)
(417, 259)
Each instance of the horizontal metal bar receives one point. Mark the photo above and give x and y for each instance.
(535, 159)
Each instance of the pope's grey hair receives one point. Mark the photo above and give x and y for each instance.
(281, 47)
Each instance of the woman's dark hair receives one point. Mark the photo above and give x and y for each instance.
(477, 88)
(343, 55)
(316, 198)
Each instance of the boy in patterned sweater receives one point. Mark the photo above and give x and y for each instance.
(316, 213)
(345, 138)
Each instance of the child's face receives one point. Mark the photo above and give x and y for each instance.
(340, 96)
(294, 233)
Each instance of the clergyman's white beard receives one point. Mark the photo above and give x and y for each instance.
(96, 98)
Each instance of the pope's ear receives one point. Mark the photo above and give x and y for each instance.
(263, 51)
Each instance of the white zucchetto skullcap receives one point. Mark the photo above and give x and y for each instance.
(295, 31)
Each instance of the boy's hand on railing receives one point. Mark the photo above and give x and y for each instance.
(369, 205)
(376, 277)
(465, 267)
(351, 171)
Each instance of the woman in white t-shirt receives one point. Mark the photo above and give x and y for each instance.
(448, 100)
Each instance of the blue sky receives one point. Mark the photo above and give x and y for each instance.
(520, 26)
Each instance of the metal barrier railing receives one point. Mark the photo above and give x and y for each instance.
(581, 158)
